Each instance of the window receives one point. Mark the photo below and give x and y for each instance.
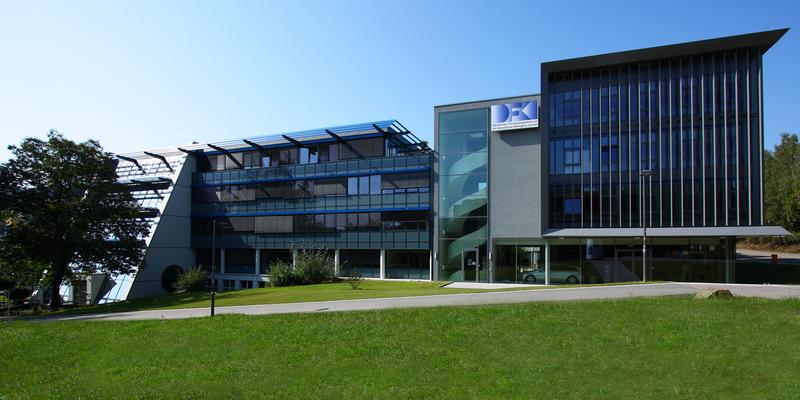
(228, 284)
(251, 159)
(364, 147)
(232, 160)
(375, 184)
(364, 185)
(216, 162)
(352, 185)
(245, 284)
(572, 206)
(274, 224)
(565, 156)
(401, 183)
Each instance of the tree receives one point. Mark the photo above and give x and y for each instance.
(782, 183)
(69, 213)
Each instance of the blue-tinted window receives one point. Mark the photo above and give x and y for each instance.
(352, 185)
(375, 184)
(572, 206)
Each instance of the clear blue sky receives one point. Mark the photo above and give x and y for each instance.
(138, 75)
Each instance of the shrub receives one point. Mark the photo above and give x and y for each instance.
(354, 279)
(281, 273)
(314, 266)
(195, 280)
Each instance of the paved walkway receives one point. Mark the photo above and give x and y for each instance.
(481, 285)
(448, 300)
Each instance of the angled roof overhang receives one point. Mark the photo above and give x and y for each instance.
(763, 40)
(716, 231)
(395, 129)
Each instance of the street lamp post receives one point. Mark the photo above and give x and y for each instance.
(643, 218)
(213, 262)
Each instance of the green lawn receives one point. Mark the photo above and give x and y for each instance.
(293, 294)
(662, 348)
(369, 289)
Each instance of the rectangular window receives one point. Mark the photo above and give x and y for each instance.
(572, 206)
(375, 184)
(303, 155)
(352, 185)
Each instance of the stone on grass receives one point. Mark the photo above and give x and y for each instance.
(714, 293)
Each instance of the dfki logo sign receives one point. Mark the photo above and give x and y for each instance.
(515, 115)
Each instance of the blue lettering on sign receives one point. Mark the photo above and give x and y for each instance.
(518, 115)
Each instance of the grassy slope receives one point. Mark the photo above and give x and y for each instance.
(633, 348)
(295, 294)
(369, 289)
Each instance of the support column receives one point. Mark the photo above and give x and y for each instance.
(383, 264)
(730, 260)
(336, 262)
(257, 269)
(221, 261)
(547, 263)
(294, 257)
(430, 266)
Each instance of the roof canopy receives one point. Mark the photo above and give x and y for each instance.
(763, 40)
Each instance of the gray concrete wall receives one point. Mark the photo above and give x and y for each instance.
(515, 184)
(171, 241)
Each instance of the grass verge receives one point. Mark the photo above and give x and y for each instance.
(633, 348)
(369, 289)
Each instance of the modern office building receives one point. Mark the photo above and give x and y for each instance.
(669, 138)
(666, 139)
(361, 192)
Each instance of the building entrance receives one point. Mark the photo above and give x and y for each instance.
(470, 265)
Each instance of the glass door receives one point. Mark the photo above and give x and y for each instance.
(630, 263)
(469, 265)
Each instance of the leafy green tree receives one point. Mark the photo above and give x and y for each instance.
(69, 214)
(782, 183)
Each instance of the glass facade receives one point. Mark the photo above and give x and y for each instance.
(374, 203)
(463, 188)
(359, 195)
(367, 262)
(694, 121)
(518, 261)
(408, 264)
(608, 260)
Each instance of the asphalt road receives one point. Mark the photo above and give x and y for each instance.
(450, 300)
(765, 257)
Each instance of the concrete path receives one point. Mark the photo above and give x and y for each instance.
(481, 285)
(449, 300)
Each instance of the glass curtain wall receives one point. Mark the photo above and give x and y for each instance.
(367, 262)
(463, 167)
(694, 121)
(607, 260)
(518, 261)
(407, 264)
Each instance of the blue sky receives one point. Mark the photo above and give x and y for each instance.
(138, 75)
